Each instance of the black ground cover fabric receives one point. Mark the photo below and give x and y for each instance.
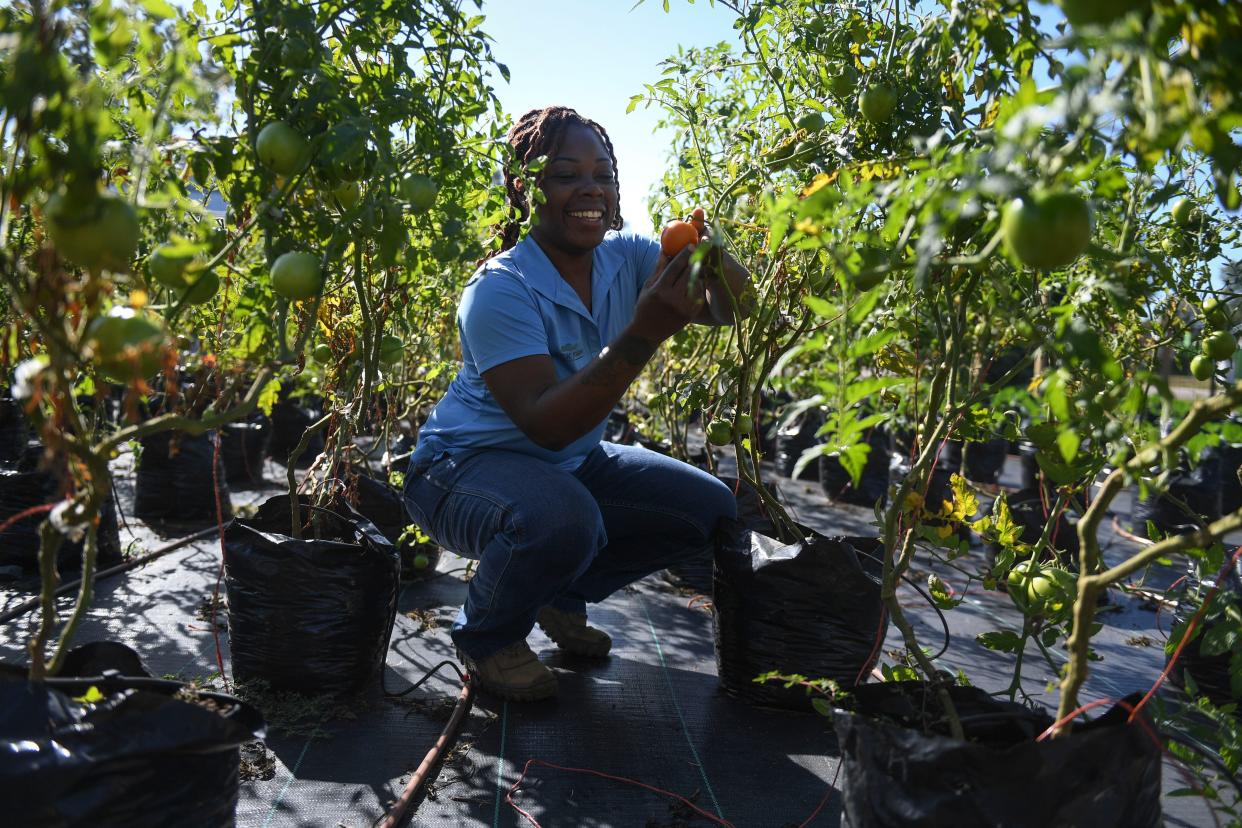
(1105, 775)
(175, 481)
(136, 757)
(242, 449)
(872, 486)
(811, 608)
(384, 506)
(311, 615)
(19, 543)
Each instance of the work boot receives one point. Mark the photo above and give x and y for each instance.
(572, 634)
(513, 673)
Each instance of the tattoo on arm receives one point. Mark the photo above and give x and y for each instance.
(633, 353)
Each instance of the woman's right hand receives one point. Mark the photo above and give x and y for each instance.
(669, 300)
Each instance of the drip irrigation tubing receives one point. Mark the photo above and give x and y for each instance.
(69, 586)
(422, 774)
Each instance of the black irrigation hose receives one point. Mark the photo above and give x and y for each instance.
(944, 622)
(422, 680)
(69, 586)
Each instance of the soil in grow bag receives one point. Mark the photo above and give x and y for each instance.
(1028, 510)
(901, 768)
(811, 608)
(311, 615)
(697, 573)
(872, 486)
(384, 506)
(793, 440)
(242, 449)
(118, 751)
(26, 487)
(1211, 673)
(290, 420)
(1198, 488)
(175, 479)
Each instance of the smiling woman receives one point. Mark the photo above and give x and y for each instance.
(510, 468)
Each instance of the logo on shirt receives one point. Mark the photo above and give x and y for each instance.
(572, 350)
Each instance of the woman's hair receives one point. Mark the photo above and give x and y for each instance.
(539, 132)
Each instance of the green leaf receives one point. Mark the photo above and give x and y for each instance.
(1068, 442)
(820, 307)
(1219, 640)
(268, 396)
(822, 707)
(1003, 641)
(159, 9)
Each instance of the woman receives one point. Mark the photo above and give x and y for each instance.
(510, 469)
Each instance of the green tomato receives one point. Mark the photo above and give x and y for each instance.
(719, 433)
(745, 424)
(296, 275)
(126, 345)
(811, 122)
(1219, 345)
(347, 194)
(1183, 212)
(421, 561)
(281, 148)
(1202, 367)
(877, 102)
(391, 350)
(1048, 232)
(202, 289)
(168, 269)
(1216, 313)
(843, 83)
(322, 353)
(419, 190)
(100, 233)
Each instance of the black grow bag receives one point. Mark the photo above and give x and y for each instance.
(985, 461)
(811, 608)
(1198, 488)
(901, 767)
(242, 449)
(289, 422)
(1211, 673)
(15, 431)
(311, 616)
(1230, 485)
(872, 486)
(175, 481)
(384, 506)
(137, 758)
(793, 440)
(19, 544)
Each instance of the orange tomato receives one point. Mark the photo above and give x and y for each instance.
(698, 218)
(676, 235)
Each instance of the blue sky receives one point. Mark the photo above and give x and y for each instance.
(593, 55)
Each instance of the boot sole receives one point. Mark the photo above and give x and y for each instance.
(575, 647)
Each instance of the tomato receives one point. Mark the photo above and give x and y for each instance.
(811, 122)
(1098, 12)
(698, 218)
(322, 353)
(296, 275)
(1217, 314)
(1202, 367)
(719, 433)
(744, 424)
(1183, 212)
(1220, 345)
(421, 561)
(202, 289)
(347, 194)
(843, 82)
(126, 345)
(675, 236)
(1048, 232)
(281, 148)
(99, 233)
(419, 190)
(877, 102)
(391, 350)
(166, 268)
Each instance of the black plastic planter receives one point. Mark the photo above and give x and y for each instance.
(985, 461)
(311, 615)
(901, 767)
(144, 755)
(289, 422)
(1199, 489)
(242, 449)
(1211, 673)
(175, 481)
(811, 608)
(872, 486)
(27, 487)
(384, 506)
(15, 431)
(1230, 485)
(793, 440)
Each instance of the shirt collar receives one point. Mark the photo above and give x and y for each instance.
(539, 272)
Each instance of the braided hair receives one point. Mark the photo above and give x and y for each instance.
(539, 132)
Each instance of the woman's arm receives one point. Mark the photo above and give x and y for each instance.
(553, 414)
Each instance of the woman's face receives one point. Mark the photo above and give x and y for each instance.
(580, 187)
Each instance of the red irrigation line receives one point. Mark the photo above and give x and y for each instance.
(1190, 628)
(33, 510)
(602, 775)
(215, 596)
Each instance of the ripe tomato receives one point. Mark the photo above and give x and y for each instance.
(1048, 232)
(296, 275)
(202, 289)
(281, 148)
(99, 233)
(1202, 367)
(698, 218)
(675, 236)
(126, 345)
(419, 190)
(877, 102)
(391, 350)
(719, 433)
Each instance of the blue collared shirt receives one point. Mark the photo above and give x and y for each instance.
(518, 305)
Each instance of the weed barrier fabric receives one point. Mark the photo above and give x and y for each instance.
(175, 479)
(311, 615)
(384, 506)
(1106, 774)
(19, 543)
(136, 757)
(810, 608)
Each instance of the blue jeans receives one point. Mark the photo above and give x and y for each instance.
(544, 536)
